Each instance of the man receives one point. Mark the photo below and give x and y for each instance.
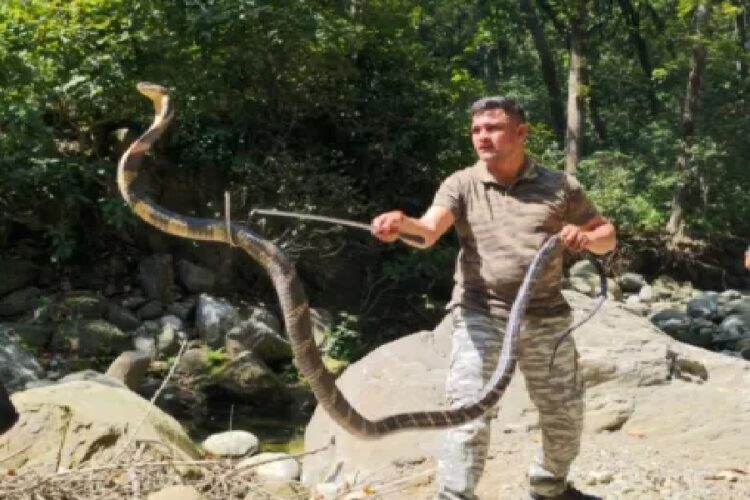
(503, 208)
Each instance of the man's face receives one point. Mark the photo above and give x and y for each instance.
(497, 136)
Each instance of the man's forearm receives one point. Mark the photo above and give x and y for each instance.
(421, 227)
(602, 239)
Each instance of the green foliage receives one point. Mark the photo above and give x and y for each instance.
(216, 357)
(626, 190)
(344, 341)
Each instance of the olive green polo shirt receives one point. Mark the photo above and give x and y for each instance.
(500, 228)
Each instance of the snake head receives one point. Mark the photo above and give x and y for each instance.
(153, 91)
(159, 95)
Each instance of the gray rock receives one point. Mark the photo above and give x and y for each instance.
(582, 284)
(258, 336)
(181, 309)
(145, 342)
(704, 306)
(701, 333)
(174, 321)
(671, 321)
(735, 307)
(129, 368)
(96, 421)
(156, 277)
(743, 348)
(122, 318)
(583, 269)
(195, 278)
(84, 306)
(231, 444)
(646, 294)
(16, 274)
(19, 302)
(194, 362)
(665, 287)
(213, 318)
(634, 304)
(90, 338)
(92, 376)
(150, 310)
(733, 327)
(614, 292)
(631, 282)
(608, 413)
(249, 379)
(32, 335)
(273, 466)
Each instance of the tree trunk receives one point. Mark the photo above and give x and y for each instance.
(740, 28)
(576, 97)
(676, 223)
(549, 69)
(631, 13)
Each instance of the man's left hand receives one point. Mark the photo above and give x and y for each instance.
(574, 238)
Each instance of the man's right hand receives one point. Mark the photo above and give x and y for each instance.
(387, 226)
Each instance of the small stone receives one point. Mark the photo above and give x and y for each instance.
(599, 477)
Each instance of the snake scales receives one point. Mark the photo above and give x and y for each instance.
(294, 302)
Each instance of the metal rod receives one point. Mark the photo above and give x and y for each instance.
(412, 239)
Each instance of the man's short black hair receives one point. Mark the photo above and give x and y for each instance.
(510, 106)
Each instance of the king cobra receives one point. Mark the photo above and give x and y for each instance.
(293, 300)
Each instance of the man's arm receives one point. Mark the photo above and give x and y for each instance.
(747, 258)
(431, 226)
(597, 236)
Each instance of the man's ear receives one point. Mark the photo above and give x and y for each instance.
(523, 131)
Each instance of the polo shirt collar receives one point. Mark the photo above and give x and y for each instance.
(528, 172)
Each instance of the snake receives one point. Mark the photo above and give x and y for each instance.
(294, 303)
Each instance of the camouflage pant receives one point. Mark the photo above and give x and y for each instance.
(558, 396)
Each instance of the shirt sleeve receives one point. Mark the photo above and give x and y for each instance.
(449, 196)
(579, 209)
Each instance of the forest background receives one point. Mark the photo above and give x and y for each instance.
(352, 107)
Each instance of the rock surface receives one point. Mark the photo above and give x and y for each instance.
(664, 419)
(84, 423)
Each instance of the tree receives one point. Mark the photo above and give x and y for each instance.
(676, 223)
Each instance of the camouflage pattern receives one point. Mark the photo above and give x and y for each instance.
(558, 395)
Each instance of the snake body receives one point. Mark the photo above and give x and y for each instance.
(293, 300)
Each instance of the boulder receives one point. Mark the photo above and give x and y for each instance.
(16, 274)
(129, 368)
(156, 277)
(272, 466)
(260, 334)
(627, 365)
(90, 338)
(19, 302)
(704, 306)
(213, 318)
(231, 444)
(631, 282)
(195, 278)
(71, 425)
